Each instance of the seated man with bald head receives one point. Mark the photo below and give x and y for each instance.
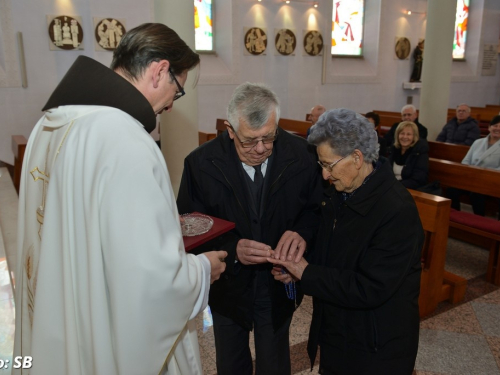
(316, 111)
(408, 113)
(460, 130)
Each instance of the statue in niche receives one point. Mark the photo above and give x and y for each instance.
(418, 60)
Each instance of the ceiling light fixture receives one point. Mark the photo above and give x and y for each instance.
(410, 12)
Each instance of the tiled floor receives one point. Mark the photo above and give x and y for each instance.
(462, 339)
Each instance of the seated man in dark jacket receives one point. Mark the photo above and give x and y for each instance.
(408, 113)
(460, 130)
(266, 181)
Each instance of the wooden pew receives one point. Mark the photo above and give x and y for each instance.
(447, 151)
(481, 231)
(485, 114)
(295, 126)
(205, 137)
(18, 148)
(436, 284)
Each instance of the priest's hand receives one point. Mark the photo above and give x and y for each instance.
(291, 246)
(217, 263)
(295, 269)
(252, 252)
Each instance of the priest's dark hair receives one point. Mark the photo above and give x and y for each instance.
(150, 42)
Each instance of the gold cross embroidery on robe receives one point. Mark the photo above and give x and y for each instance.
(40, 211)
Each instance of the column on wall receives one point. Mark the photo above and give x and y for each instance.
(179, 128)
(436, 70)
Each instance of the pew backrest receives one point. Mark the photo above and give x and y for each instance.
(466, 177)
(447, 151)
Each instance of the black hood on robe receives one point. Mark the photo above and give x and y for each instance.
(88, 82)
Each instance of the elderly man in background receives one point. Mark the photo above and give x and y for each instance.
(267, 182)
(408, 113)
(316, 111)
(103, 283)
(460, 130)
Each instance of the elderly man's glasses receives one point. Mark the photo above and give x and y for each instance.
(180, 90)
(329, 167)
(253, 142)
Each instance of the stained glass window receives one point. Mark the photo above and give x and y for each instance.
(459, 39)
(347, 27)
(203, 28)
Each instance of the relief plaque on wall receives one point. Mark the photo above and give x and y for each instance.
(313, 42)
(65, 32)
(108, 32)
(402, 48)
(255, 41)
(285, 41)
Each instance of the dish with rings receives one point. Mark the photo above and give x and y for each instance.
(195, 224)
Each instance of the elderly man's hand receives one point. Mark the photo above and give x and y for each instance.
(253, 252)
(290, 247)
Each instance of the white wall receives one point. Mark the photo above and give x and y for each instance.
(21, 108)
(374, 82)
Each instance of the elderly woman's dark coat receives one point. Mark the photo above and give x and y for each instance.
(364, 276)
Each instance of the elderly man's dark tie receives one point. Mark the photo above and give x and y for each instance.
(258, 180)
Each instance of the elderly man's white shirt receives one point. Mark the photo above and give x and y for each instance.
(103, 284)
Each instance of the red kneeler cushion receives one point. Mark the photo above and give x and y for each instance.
(475, 221)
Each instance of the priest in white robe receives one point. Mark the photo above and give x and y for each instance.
(103, 283)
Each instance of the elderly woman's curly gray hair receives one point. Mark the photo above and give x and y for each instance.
(345, 131)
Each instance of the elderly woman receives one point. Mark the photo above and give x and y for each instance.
(364, 272)
(484, 153)
(409, 156)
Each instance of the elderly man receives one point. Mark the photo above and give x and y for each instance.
(103, 284)
(460, 130)
(316, 111)
(267, 182)
(408, 113)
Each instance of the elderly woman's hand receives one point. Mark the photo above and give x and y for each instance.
(295, 269)
(291, 246)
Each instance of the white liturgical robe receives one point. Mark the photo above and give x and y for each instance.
(103, 284)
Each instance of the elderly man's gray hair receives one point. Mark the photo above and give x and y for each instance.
(409, 106)
(345, 131)
(463, 104)
(253, 103)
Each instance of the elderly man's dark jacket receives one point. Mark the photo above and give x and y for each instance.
(364, 276)
(464, 133)
(213, 183)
